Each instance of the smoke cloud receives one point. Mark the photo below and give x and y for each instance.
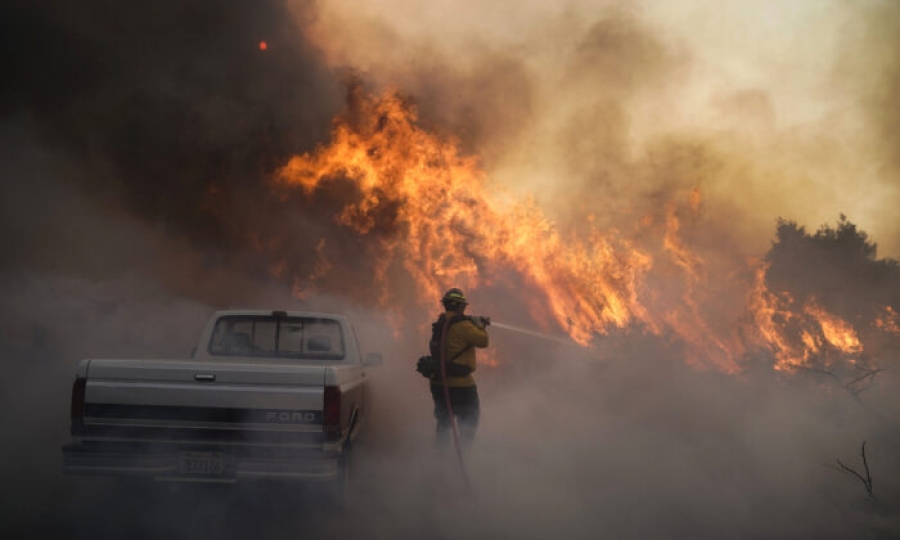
(139, 143)
(172, 110)
(784, 110)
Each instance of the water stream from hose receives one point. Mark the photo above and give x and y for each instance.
(531, 333)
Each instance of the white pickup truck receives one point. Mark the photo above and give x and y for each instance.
(266, 395)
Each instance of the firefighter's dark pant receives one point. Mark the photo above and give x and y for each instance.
(464, 401)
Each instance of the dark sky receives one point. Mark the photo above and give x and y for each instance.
(153, 106)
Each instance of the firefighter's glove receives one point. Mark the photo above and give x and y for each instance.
(481, 322)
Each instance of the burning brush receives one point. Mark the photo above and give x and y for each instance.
(429, 217)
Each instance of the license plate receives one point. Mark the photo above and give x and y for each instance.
(201, 463)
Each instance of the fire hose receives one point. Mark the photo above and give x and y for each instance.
(453, 422)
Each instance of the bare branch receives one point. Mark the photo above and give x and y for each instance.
(867, 480)
(853, 472)
(868, 474)
(864, 381)
(854, 393)
(823, 371)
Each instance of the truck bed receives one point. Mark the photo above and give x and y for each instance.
(220, 417)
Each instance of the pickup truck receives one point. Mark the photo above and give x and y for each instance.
(266, 395)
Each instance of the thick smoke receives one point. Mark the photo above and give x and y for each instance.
(134, 143)
(771, 110)
(138, 141)
(870, 65)
(171, 109)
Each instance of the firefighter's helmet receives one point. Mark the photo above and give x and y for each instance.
(454, 297)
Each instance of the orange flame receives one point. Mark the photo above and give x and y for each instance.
(454, 233)
(458, 230)
(799, 337)
(835, 331)
(889, 321)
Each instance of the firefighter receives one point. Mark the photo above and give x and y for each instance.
(454, 339)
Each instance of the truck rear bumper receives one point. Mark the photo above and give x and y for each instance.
(200, 464)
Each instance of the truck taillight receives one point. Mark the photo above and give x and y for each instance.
(77, 409)
(331, 415)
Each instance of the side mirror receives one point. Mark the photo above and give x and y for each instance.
(373, 359)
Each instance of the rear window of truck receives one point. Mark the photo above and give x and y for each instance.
(291, 337)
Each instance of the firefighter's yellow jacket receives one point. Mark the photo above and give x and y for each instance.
(460, 336)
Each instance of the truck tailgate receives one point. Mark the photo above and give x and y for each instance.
(246, 397)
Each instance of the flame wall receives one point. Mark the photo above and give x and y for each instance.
(683, 131)
(614, 165)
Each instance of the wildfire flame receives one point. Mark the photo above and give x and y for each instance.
(456, 229)
(799, 336)
(889, 321)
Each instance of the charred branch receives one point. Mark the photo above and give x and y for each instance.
(822, 371)
(855, 386)
(862, 382)
(867, 479)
